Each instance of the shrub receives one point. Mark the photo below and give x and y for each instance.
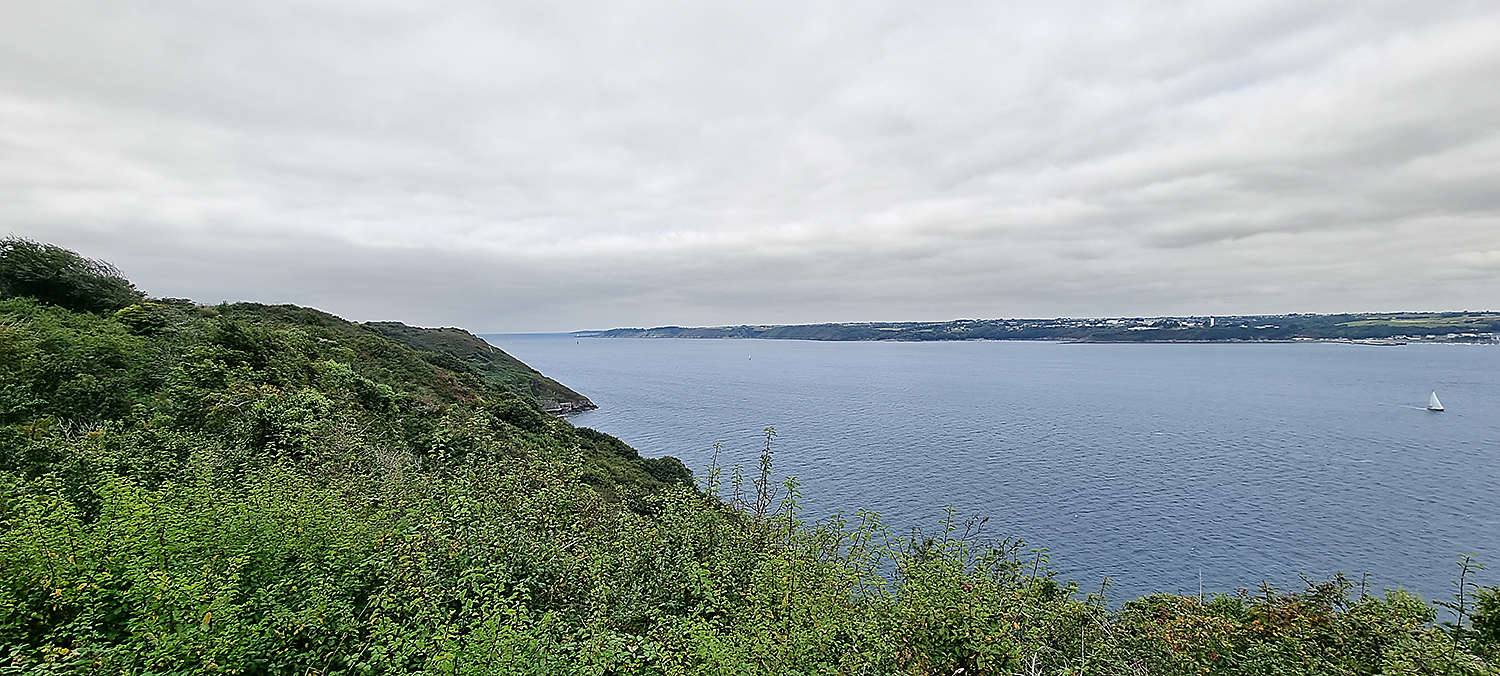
(57, 276)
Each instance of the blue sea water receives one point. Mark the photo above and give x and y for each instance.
(1148, 464)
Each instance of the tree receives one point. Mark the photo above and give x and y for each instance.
(57, 276)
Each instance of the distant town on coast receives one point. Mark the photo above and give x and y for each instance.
(1367, 328)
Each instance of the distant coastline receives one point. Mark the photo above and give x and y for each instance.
(1381, 329)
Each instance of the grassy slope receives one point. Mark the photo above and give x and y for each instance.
(491, 363)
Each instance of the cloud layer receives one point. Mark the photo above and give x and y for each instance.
(543, 166)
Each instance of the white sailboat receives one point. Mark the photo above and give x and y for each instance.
(1433, 404)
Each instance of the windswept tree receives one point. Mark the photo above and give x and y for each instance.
(57, 276)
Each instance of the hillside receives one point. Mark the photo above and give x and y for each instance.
(233, 369)
(491, 363)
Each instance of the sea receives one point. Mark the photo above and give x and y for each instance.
(1173, 468)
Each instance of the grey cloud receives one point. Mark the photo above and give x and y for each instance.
(536, 165)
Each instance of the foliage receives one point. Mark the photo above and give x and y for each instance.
(57, 276)
(1486, 624)
(253, 489)
(491, 363)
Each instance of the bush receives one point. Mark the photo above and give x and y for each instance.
(57, 276)
(1486, 624)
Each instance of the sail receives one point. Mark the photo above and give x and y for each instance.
(1433, 404)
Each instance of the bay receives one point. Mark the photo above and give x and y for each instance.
(1149, 464)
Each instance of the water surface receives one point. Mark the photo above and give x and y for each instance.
(1147, 464)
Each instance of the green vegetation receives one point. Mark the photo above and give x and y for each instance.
(489, 362)
(250, 489)
(56, 276)
(1451, 321)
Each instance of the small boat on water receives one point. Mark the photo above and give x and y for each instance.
(1433, 404)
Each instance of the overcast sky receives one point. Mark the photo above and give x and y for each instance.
(554, 165)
